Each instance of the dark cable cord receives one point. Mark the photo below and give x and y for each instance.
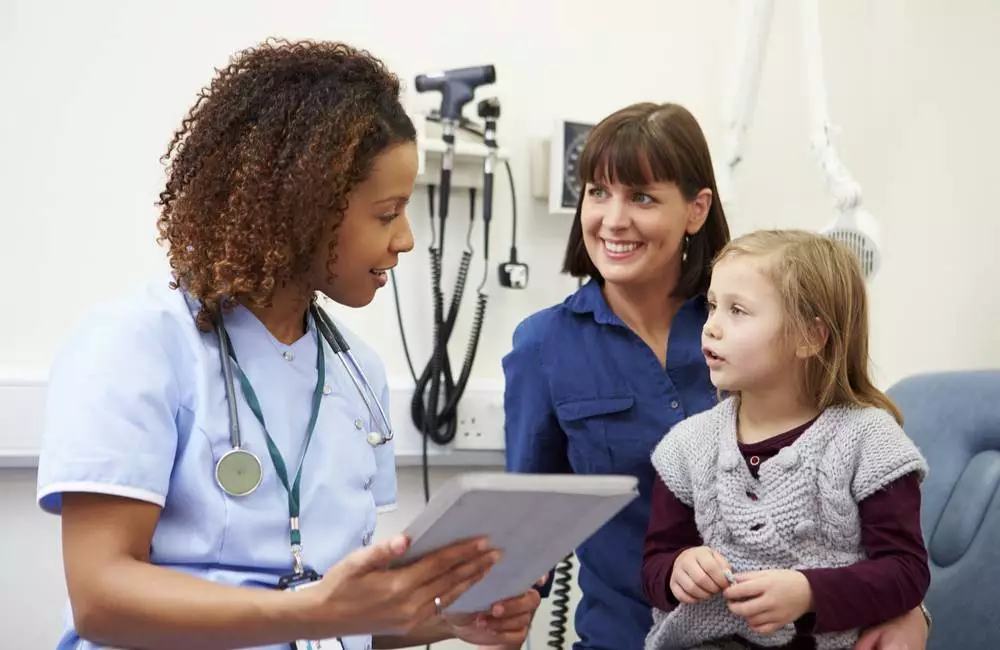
(399, 319)
(441, 426)
(513, 212)
(560, 603)
(430, 384)
(435, 400)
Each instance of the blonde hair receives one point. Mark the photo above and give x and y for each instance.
(820, 279)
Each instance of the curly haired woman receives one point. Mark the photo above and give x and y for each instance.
(209, 452)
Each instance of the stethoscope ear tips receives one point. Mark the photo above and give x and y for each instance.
(375, 438)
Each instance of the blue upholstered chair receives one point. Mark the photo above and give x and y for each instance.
(954, 417)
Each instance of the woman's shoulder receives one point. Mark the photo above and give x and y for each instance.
(536, 327)
(872, 446)
(555, 322)
(153, 319)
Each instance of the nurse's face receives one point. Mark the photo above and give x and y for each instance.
(373, 232)
(635, 235)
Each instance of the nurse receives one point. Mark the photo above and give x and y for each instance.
(216, 444)
(593, 383)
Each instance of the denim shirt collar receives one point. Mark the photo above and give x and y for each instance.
(686, 326)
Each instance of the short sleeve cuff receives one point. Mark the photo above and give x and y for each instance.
(134, 477)
(50, 496)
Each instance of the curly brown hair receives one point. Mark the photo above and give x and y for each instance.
(264, 162)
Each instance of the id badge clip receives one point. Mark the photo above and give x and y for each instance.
(295, 582)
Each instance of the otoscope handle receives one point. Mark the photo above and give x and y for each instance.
(447, 163)
(487, 211)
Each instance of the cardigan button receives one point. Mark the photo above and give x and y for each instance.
(804, 528)
(728, 460)
(787, 458)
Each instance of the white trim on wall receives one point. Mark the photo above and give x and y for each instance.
(22, 412)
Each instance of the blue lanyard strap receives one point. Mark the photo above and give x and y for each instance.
(293, 491)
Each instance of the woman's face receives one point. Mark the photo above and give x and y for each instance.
(635, 235)
(373, 232)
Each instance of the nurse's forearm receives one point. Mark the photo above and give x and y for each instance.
(137, 605)
(433, 632)
(120, 600)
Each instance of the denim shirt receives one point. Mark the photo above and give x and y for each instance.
(585, 394)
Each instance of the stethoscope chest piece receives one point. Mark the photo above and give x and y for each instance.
(238, 472)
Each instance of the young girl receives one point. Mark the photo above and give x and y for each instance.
(789, 514)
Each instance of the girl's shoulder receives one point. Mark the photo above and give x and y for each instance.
(872, 447)
(698, 433)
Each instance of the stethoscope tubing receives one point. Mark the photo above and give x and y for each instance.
(338, 344)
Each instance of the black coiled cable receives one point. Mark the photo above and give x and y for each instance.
(560, 603)
(428, 390)
(437, 422)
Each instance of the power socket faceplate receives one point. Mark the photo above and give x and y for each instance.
(480, 420)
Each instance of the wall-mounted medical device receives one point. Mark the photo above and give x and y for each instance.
(458, 152)
(555, 165)
(468, 155)
(568, 139)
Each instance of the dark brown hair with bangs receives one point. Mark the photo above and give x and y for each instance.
(640, 145)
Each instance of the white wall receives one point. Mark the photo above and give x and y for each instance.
(93, 91)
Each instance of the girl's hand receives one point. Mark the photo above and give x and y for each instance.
(769, 600)
(361, 595)
(699, 573)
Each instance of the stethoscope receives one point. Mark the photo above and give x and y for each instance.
(239, 471)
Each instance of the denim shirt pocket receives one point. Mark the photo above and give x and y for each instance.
(587, 423)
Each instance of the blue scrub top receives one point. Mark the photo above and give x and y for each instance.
(585, 394)
(137, 408)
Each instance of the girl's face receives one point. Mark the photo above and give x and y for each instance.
(744, 337)
(635, 235)
(373, 232)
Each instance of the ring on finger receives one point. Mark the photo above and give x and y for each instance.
(437, 605)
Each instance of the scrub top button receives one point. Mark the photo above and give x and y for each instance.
(288, 355)
(358, 424)
(367, 539)
(326, 389)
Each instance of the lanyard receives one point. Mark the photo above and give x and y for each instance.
(293, 491)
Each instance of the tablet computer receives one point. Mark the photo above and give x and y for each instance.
(534, 519)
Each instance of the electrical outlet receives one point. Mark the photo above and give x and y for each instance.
(480, 420)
